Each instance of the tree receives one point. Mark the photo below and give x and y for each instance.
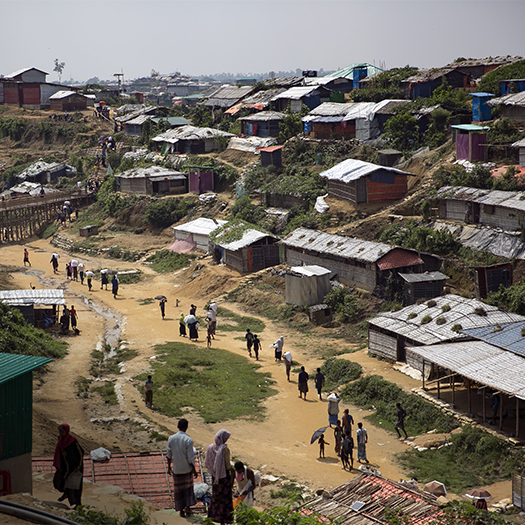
(402, 132)
(59, 67)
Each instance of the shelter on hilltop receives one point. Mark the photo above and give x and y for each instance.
(259, 101)
(191, 140)
(478, 67)
(444, 319)
(227, 96)
(195, 234)
(253, 251)
(263, 124)
(293, 99)
(151, 180)
(364, 264)
(16, 418)
(363, 182)
(368, 499)
(424, 83)
(68, 100)
(356, 72)
(511, 106)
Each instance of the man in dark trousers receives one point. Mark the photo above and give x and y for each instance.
(400, 423)
(249, 341)
(319, 382)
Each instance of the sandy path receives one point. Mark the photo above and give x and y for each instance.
(279, 444)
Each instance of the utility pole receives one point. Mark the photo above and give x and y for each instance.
(119, 80)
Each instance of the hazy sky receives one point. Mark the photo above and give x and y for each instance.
(196, 37)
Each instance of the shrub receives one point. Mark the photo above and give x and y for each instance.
(457, 328)
(412, 315)
(480, 311)
(426, 319)
(340, 371)
(445, 308)
(440, 320)
(13, 128)
(343, 302)
(431, 303)
(167, 261)
(402, 132)
(168, 211)
(244, 210)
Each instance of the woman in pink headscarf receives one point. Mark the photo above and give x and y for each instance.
(219, 466)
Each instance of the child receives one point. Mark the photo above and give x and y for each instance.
(256, 346)
(322, 443)
(26, 257)
(208, 339)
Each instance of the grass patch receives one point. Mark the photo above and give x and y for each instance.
(339, 371)
(166, 261)
(145, 302)
(107, 392)
(475, 458)
(83, 385)
(217, 385)
(157, 436)
(130, 278)
(49, 231)
(239, 323)
(103, 365)
(285, 491)
(375, 392)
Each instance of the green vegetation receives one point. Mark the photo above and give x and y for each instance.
(490, 83)
(291, 124)
(402, 132)
(222, 171)
(339, 371)
(13, 128)
(286, 491)
(475, 458)
(510, 299)
(244, 210)
(49, 231)
(107, 392)
(218, 385)
(233, 231)
(238, 323)
(83, 385)
(375, 392)
(168, 211)
(103, 365)
(343, 302)
(167, 261)
(135, 515)
(18, 337)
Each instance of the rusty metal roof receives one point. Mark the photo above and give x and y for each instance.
(144, 475)
(367, 500)
(398, 258)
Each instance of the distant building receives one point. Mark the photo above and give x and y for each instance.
(16, 418)
(293, 99)
(520, 144)
(511, 106)
(424, 83)
(191, 139)
(489, 278)
(67, 101)
(363, 182)
(196, 233)
(271, 156)
(515, 85)
(418, 286)
(227, 96)
(480, 109)
(262, 124)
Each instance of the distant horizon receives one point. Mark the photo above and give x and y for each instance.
(96, 38)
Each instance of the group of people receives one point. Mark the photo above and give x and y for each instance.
(181, 465)
(69, 317)
(193, 325)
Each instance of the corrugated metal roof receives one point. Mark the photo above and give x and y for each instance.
(348, 71)
(375, 497)
(507, 336)
(12, 365)
(514, 99)
(310, 271)
(331, 109)
(149, 173)
(387, 107)
(481, 362)
(423, 277)
(264, 116)
(360, 110)
(201, 226)
(347, 247)
(353, 169)
(296, 93)
(519, 144)
(227, 96)
(172, 121)
(482, 95)
(514, 200)
(398, 258)
(249, 237)
(24, 70)
(138, 121)
(190, 133)
(462, 312)
(271, 149)
(63, 94)
(27, 297)
(470, 127)
(321, 81)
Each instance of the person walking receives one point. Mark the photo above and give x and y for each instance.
(193, 309)
(245, 483)
(278, 345)
(162, 305)
(302, 382)
(181, 464)
(338, 437)
(104, 280)
(287, 357)
(213, 310)
(347, 452)
(256, 346)
(182, 326)
(81, 272)
(54, 262)
(69, 464)
(73, 317)
(347, 422)
(319, 382)
(249, 341)
(333, 408)
(89, 280)
(148, 389)
(26, 257)
(218, 463)
(400, 423)
(362, 440)
(114, 286)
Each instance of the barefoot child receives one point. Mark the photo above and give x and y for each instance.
(322, 443)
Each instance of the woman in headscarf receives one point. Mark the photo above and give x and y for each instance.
(219, 466)
(278, 345)
(182, 326)
(69, 464)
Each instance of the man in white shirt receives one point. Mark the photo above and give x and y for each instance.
(180, 454)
